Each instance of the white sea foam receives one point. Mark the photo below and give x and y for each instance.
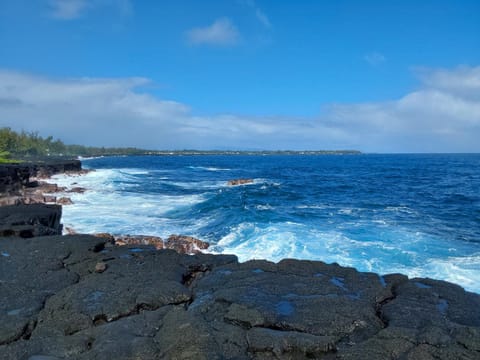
(198, 185)
(397, 250)
(134, 171)
(264, 207)
(104, 208)
(400, 209)
(313, 207)
(86, 158)
(208, 168)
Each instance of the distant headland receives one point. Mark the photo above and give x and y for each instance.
(27, 145)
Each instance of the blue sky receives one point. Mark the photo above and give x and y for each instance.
(378, 76)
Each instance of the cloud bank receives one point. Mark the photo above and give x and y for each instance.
(442, 115)
(221, 32)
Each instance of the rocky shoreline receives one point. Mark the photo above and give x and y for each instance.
(82, 297)
(24, 183)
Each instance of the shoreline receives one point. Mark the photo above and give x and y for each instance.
(163, 240)
(88, 298)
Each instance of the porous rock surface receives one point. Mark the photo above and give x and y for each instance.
(158, 304)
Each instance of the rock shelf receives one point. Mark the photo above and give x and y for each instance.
(143, 303)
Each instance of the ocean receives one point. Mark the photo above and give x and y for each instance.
(414, 214)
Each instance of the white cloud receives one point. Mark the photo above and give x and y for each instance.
(375, 58)
(263, 18)
(67, 9)
(442, 115)
(73, 9)
(259, 14)
(463, 81)
(221, 32)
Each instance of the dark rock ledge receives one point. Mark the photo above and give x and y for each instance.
(27, 206)
(22, 183)
(159, 304)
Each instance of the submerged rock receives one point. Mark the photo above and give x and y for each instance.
(64, 201)
(239, 182)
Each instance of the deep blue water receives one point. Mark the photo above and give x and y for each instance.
(415, 214)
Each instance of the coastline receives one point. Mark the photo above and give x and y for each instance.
(162, 304)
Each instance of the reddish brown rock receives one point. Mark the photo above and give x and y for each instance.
(240, 182)
(180, 243)
(107, 236)
(50, 199)
(10, 200)
(48, 188)
(185, 244)
(35, 198)
(64, 201)
(100, 267)
(156, 241)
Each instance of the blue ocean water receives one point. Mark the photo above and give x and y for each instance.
(414, 214)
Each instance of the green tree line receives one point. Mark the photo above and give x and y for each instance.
(30, 144)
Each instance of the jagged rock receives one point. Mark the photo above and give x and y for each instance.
(122, 240)
(180, 243)
(100, 267)
(64, 201)
(164, 305)
(18, 186)
(239, 182)
(48, 188)
(34, 199)
(185, 244)
(50, 199)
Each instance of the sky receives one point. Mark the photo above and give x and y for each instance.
(375, 76)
